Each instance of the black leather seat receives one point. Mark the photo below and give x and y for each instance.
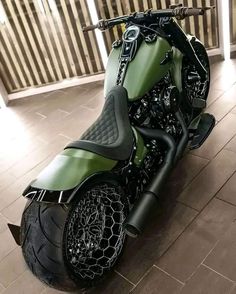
(111, 135)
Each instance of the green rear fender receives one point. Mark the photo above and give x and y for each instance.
(70, 168)
(73, 166)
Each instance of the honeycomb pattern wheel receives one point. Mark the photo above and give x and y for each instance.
(94, 236)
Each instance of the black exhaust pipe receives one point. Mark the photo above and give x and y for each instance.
(185, 137)
(149, 200)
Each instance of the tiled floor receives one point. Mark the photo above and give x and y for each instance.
(189, 249)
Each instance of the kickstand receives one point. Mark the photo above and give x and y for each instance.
(15, 231)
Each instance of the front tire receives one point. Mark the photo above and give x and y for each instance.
(71, 247)
(196, 89)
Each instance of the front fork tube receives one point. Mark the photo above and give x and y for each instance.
(182, 42)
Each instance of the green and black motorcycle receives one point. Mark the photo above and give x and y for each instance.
(104, 186)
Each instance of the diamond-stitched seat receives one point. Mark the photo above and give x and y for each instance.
(111, 135)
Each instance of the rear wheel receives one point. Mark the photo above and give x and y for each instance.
(75, 247)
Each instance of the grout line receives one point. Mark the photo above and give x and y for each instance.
(229, 112)
(177, 280)
(5, 218)
(230, 140)
(214, 196)
(186, 205)
(203, 264)
(186, 228)
(222, 94)
(223, 148)
(193, 273)
(1, 285)
(8, 169)
(18, 178)
(216, 243)
(86, 107)
(198, 156)
(192, 180)
(144, 275)
(63, 111)
(118, 273)
(42, 115)
(191, 152)
(40, 140)
(227, 179)
(65, 136)
(229, 149)
(225, 201)
(27, 270)
(9, 253)
(1, 210)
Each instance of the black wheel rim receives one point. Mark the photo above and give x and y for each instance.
(94, 236)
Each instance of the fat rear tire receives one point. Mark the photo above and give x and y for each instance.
(42, 244)
(44, 233)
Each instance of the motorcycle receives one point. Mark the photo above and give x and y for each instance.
(103, 187)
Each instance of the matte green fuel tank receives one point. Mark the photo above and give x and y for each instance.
(143, 72)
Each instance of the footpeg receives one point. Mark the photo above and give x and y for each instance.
(205, 126)
(199, 103)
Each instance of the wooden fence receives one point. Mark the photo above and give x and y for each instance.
(232, 8)
(41, 41)
(205, 28)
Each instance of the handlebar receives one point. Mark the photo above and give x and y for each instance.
(191, 12)
(178, 12)
(90, 28)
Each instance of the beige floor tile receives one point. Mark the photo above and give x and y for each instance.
(223, 132)
(222, 258)
(156, 281)
(25, 284)
(1, 288)
(54, 291)
(15, 190)
(3, 223)
(11, 267)
(115, 284)
(205, 186)
(7, 243)
(207, 281)
(6, 179)
(191, 248)
(14, 211)
(224, 104)
(32, 159)
(228, 191)
(213, 95)
(161, 231)
(233, 290)
(231, 146)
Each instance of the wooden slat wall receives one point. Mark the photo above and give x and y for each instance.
(232, 7)
(42, 42)
(205, 28)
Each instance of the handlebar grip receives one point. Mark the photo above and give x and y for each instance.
(89, 28)
(195, 11)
